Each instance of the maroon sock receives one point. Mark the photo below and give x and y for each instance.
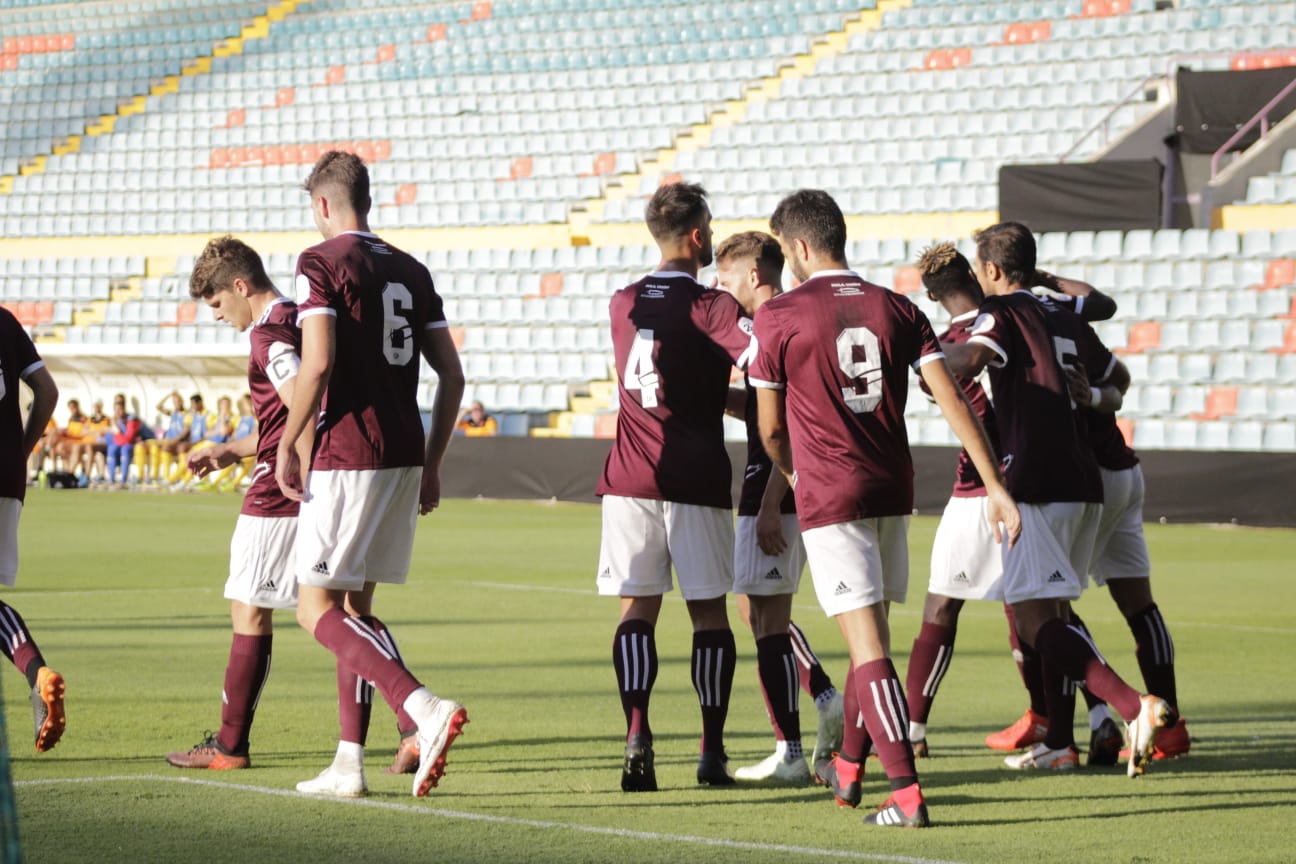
(814, 680)
(1091, 700)
(18, 644)
(249, 666)
(1028, 665)
(355, 705)
(779, 681)
(634, 656)
(1059, 691)
(929, 660)
(714, 660)
(769, 709)
(404, 723)
(882, 701)
(1155, 651)
(1079, 660)
(358, 647)
(855, 736)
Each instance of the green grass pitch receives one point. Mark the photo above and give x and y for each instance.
(123, 592)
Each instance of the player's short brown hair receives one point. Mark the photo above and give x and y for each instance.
(344, 172)
(223, 260)
(1010, 246)
(813, 216)
(756, 245)
(675, 209)
(945, 271)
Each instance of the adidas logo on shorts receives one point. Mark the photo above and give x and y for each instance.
(962, 576)
(774, 574)
(842, 588)
(1056, 576)
(606, 574)
(269, 585)
(321, 568)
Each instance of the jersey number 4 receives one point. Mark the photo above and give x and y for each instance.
(865, 394)
(639, 371)
(398, 335)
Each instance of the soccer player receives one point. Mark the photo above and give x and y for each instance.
(665, 485)
(19, 361)
(1049, 468)
(965, 561)
(831, 373)
(231, 279)
(367, 311)
(768, 553)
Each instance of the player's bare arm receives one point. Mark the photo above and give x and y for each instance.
(1001, 511)
(769, 519)
(217, 456)
(439, 350)
(45, 398)
(771, 416)
(736, 402)
(1106, 397)
(967, 359)
(319, 346)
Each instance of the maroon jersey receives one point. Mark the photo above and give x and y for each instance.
(675, 343)
(383, 301)
(275, 358)
(1099, 428)
(759, 466)
(967, 480)
(1044, 452)
(842, 347)
(18, 359)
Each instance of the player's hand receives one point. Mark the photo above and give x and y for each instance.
(288, 473)
(769, 531)
(429, 492)
(208, 459)
(1078, 384)
(1003, 516)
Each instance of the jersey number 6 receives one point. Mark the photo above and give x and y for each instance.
(398, 336)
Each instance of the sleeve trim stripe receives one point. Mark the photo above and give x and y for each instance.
(436, 325)
(993, 346)
(319, 310)
(766, 385)
(928, 358)
(1111, 367)
(39, 364)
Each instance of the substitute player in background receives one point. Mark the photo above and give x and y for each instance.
(231, 279)
(1049, 468)
(20, 362)
(832, 379)
(367, 312)
(768, 553)
(665, 485)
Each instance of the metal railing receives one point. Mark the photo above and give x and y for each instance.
(1261, 117)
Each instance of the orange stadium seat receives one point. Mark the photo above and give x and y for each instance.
(186, 313)
(386, 54)
(406, 193)
(1289, 340)
(1280, 272)
(521, 168)
(1104, 8)
(457, 335)
(605, 425)
(604, 163)
(285, 96)
(1220, 402)
(335, 75)
(908, 280)
(381, 149)
(673, 177)
(235, 118)
(1126, 427)
(8, 62)
(1024, 32)
(551, 284)
(309, 154)
(435, 33)
(1142, 336)
(22, 310)
(481, 10)
(220, 158)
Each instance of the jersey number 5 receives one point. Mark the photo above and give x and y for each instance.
(639, 372)
(398, 336)
(866, 394)
(1067, 356)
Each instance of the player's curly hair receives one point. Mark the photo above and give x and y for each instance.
(755, 245)
(1010, 246)
(223, 260)
(344, 172)
(945, 270)
(675, 209)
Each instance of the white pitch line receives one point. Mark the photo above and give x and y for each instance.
(504, 820)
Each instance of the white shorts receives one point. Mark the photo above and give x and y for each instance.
(857, 564)
(261, 562)
(642, 537)
(965, 561)
(356, 527)
(10, 510)
(1120, 550)
(767, 575)
(1052, 553)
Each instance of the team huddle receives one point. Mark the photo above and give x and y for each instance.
(1047, 494)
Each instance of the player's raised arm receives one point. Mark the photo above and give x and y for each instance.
(1001, 510)
(1091, 304)
(440, 352)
